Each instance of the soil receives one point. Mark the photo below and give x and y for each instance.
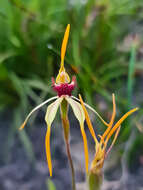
(18, 173)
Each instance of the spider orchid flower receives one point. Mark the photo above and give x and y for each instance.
(101, 143)
(64, 88)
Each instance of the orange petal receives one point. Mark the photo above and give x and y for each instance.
(64, 45)
(89, 107)
(114, 110)
(47, 146)
(102, 144)
(85, 147)
(119, 123)
(112, 118)
(113, 142)
(101, 140)
(89, 124)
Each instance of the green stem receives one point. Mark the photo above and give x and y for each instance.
(131, 71)
(66, 126)
(95, 180)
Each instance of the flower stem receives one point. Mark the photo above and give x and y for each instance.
(71, 165)
(66, 125)
(95, 180)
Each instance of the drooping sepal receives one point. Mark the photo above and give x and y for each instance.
(35, 109)
(50, 116)
(79, 114)
(63, 76)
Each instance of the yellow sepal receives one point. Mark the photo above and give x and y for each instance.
(63, 77)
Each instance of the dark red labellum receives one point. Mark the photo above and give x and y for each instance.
(64, 88)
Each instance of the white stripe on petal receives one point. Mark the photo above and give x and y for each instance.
(77, 109)
(52, 110)
(36, 108)
(89, 107)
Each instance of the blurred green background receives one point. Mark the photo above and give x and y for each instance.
(105, 52)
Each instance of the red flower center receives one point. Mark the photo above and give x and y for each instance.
(64, 88)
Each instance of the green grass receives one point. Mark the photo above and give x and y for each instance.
(31, 34)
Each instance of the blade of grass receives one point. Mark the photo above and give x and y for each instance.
(131, 71)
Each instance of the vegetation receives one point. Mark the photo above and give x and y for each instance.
(104, 52)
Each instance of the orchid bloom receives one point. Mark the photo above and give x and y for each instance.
(64, 88)
(101, 144)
